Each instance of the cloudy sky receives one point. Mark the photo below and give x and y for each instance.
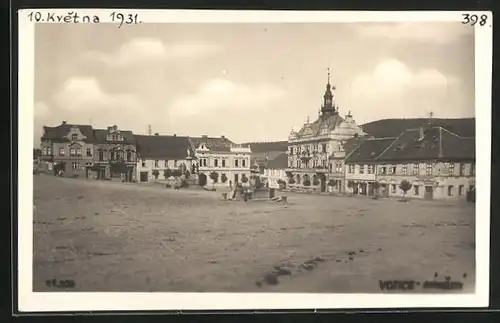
(249, 82)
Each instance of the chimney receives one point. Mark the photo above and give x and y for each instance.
(204, 136)
(64, 122)
(223, 137)
(175, 135)
(157, 134)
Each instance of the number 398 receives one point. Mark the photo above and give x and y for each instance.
(469, 19)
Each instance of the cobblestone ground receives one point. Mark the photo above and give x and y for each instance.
(109, 236)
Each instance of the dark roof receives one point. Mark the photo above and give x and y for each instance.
(369, 150)
(279, 162)
(163, 147)
(101, 134)
(212, 143)
(58, 133)
(261, 147)
(37, 153)
(435, 144)
(465, 127)
(329, 122)
(352, 143)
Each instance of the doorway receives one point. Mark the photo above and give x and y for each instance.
(144, 177)
(235, 179)
(202, 179)
(428, 194)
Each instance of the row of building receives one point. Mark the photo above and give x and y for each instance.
(330, 154)
(80, 150)
(333, 153)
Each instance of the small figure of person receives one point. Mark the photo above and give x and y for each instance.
(230, 184)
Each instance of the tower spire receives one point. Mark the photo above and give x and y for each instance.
(328, 79)
(328, 107)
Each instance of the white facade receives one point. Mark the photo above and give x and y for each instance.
(148, 168)
(273, 176)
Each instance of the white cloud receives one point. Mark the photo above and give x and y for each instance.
(150, 50)
(391, 87)
(442, 33)
(221, 94)
(392, 77)
(85, 94)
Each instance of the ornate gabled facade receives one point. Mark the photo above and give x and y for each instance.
(310, 148)
(67, 149)
(114, 154)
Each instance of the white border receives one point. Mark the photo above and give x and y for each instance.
(30, 301)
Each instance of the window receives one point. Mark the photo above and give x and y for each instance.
(216, 163)
(446, 168)
(450, 190)
(61, 152)
(236, 163)
(383, 170)
(113, 155)
(89, 152)
(324, 148)
(393, 188)
(428, 169)
(46, 151)
(166, 163)
(370, 169)
(243, 162)
(361, 169)
(75, 165)
(392, 170)
(72, 152)
(78, 151)
(416, 170)
(451, 168)
(460, 190)
(74, 137)
(129, 155)
(223, 163)
(101, 155)
(291, 150)
(49, 166)
(156, 163)
(404, 170)
(143, 163)
(351, 169)
(415, 189)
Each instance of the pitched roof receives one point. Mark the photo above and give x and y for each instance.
(101, 134)
(434, 143)
(262, 147)
(59, 133)
(280, 162)
(330, 122)
(163, 147)
(464, 127)
(369, 150)
(215, 144)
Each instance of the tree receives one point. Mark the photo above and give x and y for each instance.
(214, 176)
(291, 180)
(167, 173)
(405, 187)
(223, 178)
(376, 187)
(155, 173)
(315, 180)
(306, 182)
(187, 173)
(331, 182)
(244, 178)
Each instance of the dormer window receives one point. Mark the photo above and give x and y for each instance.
(74, 137)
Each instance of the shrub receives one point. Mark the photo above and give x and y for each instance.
(155, 173)
(291, 180)
(167, 173)
(176, 173)
(187, 174)
(244, 179)
(307, 182)
(315, 181)
(331, 182)
(223, 178)
(184, 183)
(405, 187)
(214, 176)
(168, 185)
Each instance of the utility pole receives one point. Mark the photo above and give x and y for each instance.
(150, 131)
